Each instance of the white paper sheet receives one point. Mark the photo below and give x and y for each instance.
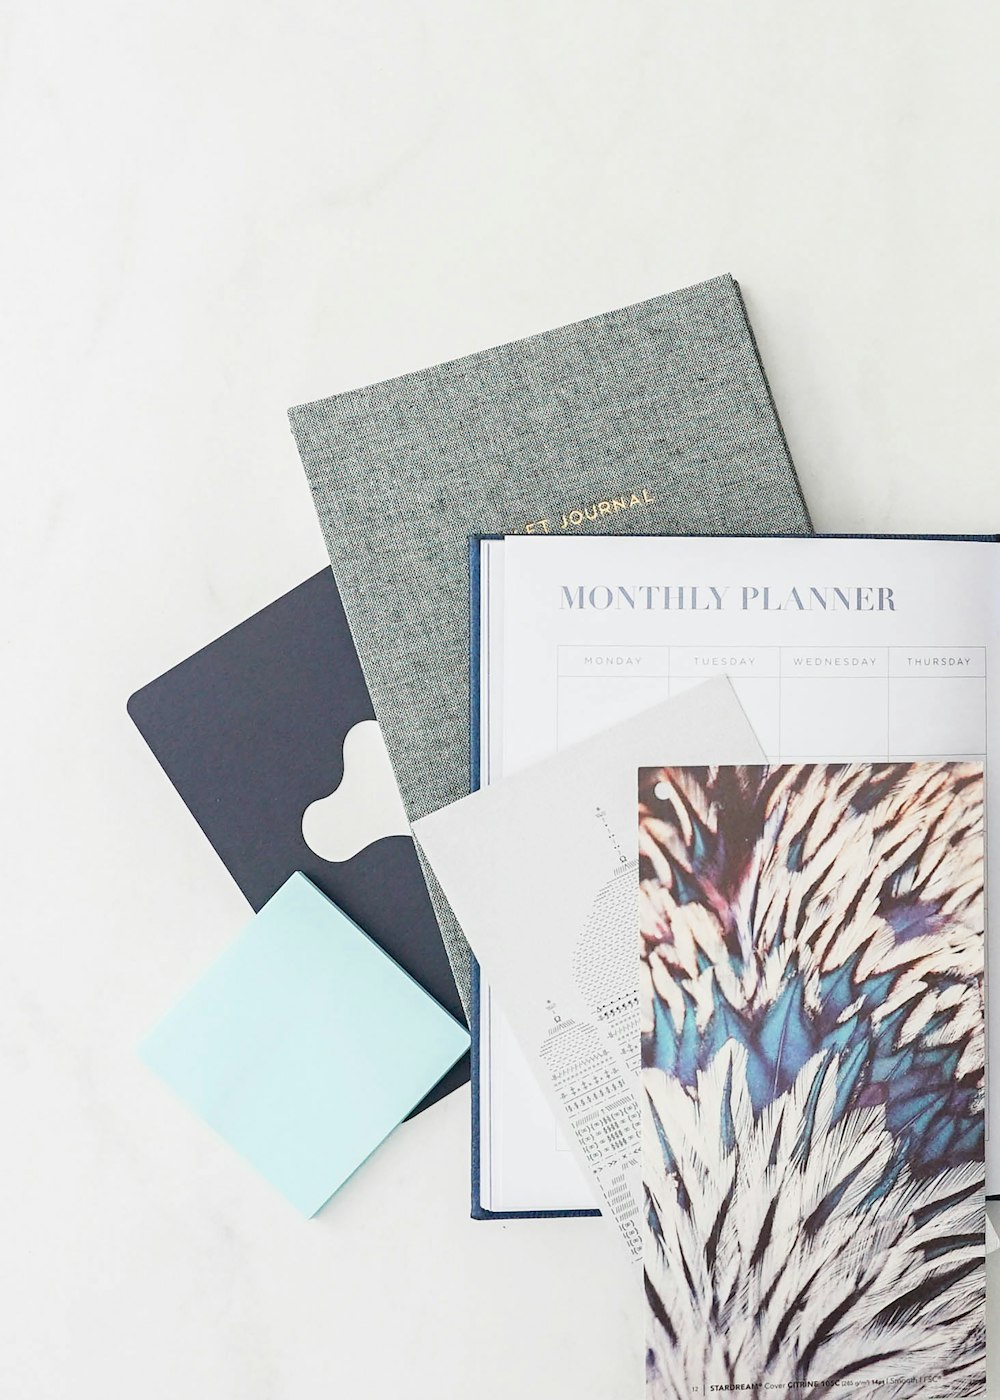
(541, 872)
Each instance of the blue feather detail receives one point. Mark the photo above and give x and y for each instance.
(785, 1036)
(689, 1044)
(848, 1078)
(686, 888)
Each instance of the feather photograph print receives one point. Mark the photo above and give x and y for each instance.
(811, 996)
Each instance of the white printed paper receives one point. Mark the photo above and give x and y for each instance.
(540, 869)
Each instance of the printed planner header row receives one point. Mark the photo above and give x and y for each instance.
(772, 661)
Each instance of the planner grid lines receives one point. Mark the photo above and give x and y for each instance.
(805, 703)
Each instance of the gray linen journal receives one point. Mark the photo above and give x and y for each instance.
(652, 420)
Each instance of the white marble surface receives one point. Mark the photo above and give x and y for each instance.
(212, 210)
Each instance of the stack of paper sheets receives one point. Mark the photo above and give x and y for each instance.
(812, 926)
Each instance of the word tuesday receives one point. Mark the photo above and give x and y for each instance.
(645, 597)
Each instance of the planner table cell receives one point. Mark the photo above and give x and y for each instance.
(588, 704)
(937, 661)
(944, 715)
(733, 661)
(834, 716)
(601, 661)
(834, 663)
(760, 696)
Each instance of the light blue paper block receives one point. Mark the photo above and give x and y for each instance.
(304, 1045)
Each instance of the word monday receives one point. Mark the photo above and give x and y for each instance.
(647, 597)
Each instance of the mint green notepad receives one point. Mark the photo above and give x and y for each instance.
(304, 1045)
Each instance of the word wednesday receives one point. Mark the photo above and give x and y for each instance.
(647, 597)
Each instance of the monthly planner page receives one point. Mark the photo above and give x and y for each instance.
(847, 649)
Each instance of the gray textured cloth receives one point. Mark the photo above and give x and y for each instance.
(664, 403)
